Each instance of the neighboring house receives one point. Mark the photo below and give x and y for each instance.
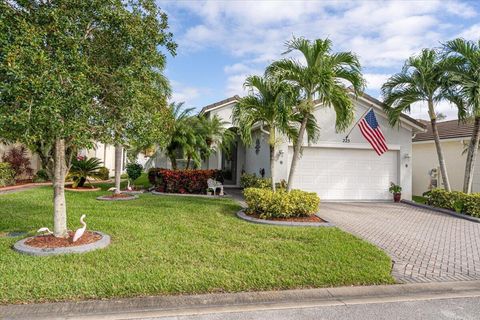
(106, 154)
(336, 170)
(454, 137)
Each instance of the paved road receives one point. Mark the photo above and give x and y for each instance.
(465, 308)
(425, 245)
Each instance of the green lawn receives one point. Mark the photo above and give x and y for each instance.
(419, 199)
(171, 245)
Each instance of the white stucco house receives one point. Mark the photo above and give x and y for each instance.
(454, 138)
(334, 169)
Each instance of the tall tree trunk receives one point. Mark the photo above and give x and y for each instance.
(118, 167)
(438, 145)
(472, 156)
(296, 153)
(272, 156)
(59, 204)
(188, 162)
(272, 166)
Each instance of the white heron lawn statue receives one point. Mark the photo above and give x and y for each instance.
(44, 231)
(79, 233)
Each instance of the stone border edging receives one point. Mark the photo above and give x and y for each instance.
(107, 198)
(189, 195)
(133, 191)
(84, 189)
(241, 214)
(441, 210)
(21, 247)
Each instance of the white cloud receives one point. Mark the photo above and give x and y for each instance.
(187, 94)
(420, 110)
(375, 80)
(472, 33)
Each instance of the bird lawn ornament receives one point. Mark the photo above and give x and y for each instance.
(44, 231)
(79, 233)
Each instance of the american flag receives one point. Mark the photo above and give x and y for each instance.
(371, 131)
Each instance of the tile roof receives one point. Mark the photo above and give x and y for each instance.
(219, 103)
(447, 130)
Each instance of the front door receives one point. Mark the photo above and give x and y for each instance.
(229, 165)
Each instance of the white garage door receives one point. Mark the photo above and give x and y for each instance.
(346, 174)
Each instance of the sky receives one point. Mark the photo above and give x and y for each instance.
(220, 43)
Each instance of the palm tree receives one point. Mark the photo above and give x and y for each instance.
(324, 76)
(214, 134)
(422, 79)
(268, 105)
(182, 137)
(82, 168)
(464, 77)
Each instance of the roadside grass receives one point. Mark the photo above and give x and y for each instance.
(174, 245)
(419, 199)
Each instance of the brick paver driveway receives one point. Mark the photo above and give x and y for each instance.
(425, 245)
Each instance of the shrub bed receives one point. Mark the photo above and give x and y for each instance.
(182, 181)
(460, 202)
(7, 174)
(281, 204)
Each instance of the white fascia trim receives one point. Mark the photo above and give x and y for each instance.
(220, 106)
(442, 140)
(337, 145)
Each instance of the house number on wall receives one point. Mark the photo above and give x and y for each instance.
(346, 140)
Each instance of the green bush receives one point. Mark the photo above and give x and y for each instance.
(248, 180)
(7, 174)
(41, 176)
(460, 202)
(103, 173)
(281, 204)
(134, 171)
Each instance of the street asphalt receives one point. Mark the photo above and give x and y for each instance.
(448, 309)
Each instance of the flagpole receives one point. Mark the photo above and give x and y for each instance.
(349, 132)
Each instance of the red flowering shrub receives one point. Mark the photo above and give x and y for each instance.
(182, 181)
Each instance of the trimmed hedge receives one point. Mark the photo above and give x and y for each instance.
(281, 204)
(182, 181)
(7, 174)
(248, 180)
(460, 202)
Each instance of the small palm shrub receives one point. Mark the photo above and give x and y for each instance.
(281, 204)
(134, 171)
(19, 161)
(82, 168)
(41, 176)
(103, 173)
(7, 174)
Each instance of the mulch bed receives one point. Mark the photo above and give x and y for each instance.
(49, 241)
(312, 218)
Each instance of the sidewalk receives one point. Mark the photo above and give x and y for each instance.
(184, 305)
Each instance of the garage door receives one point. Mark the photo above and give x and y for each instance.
(346, 174)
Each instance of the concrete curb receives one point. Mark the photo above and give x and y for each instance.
(164, 306)
(21, 247)
(189, 195)
(441, 210)
(241, 214)
(106, 198)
